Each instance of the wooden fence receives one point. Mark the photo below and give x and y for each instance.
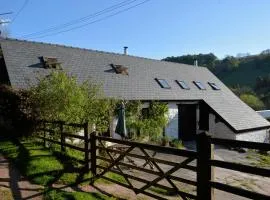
(58, 135)
(153, 166)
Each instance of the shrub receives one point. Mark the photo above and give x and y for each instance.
(253, 101)
(60, 97)
(152, 123)
(14, 115)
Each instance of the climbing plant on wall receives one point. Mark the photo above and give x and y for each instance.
(149, 124)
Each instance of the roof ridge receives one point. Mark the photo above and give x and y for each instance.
(93, 50)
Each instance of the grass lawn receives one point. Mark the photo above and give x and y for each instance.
(62, 195)
(46, 167)
(259, 159)
(39, 164)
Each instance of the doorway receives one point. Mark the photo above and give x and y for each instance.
(187, 121)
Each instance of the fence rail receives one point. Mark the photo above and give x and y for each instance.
(46, 135)
(238, 167)
(120, 155)
(134, 150)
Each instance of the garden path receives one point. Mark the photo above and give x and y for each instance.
(15, 186)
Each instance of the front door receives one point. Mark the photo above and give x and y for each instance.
(187, 121)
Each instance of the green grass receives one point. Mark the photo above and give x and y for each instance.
(161, 191)
(259, 159)
(112, 176)
(41, 165)
(62, 195)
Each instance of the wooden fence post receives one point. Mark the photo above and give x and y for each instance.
(204, 169)
(93, 153)
(63, 149)
(86, 147)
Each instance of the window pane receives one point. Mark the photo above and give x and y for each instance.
(183, 85)
(163, 83)
(199, 85)
(214, 86)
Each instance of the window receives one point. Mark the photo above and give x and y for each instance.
(199, 85)
(163, 83)
(183, 85)
(214, 86)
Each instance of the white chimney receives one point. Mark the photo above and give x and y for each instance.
(196, 63)
(125, 50)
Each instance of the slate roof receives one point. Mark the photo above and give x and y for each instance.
(24, 67)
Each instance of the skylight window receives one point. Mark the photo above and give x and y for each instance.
(214, 86)
(199, 85)
(183, 85)
(163, 83)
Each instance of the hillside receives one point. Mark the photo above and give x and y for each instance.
(245, 75)
(248, 71)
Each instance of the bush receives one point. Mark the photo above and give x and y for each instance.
(176, 144)
(149, 124)
(14, 115)
(253, 101)
(60, 97)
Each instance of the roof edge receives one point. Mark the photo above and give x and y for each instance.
(98, 51)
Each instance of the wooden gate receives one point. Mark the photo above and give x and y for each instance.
(145, 168)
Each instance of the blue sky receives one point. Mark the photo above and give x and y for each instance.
(155, 29)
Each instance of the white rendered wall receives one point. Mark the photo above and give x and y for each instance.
(254, 136)
(172, 128)
(221, 130)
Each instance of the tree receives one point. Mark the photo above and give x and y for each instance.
(205, 60)
(60, 97)
(253, 101)
(265, 52)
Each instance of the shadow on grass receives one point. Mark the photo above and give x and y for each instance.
(41, 166)
(54, 170)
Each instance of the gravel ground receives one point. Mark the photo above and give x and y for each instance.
(243, 180)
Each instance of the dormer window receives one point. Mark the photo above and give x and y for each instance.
(163, 83)
(199, 85)
(120, 69)
(50, 63)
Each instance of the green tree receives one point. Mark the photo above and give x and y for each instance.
(205, 60)
(60, 97)
(253, 101)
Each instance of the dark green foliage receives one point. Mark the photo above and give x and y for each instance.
(205, 60)
(149, 123)
(60, 97)
(14, 115)
(253, 101)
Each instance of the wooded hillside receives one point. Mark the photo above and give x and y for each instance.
(245, 74)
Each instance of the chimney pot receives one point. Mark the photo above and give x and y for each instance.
(125, 50)
(195, 63)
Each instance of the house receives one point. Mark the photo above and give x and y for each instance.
(197, 99)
